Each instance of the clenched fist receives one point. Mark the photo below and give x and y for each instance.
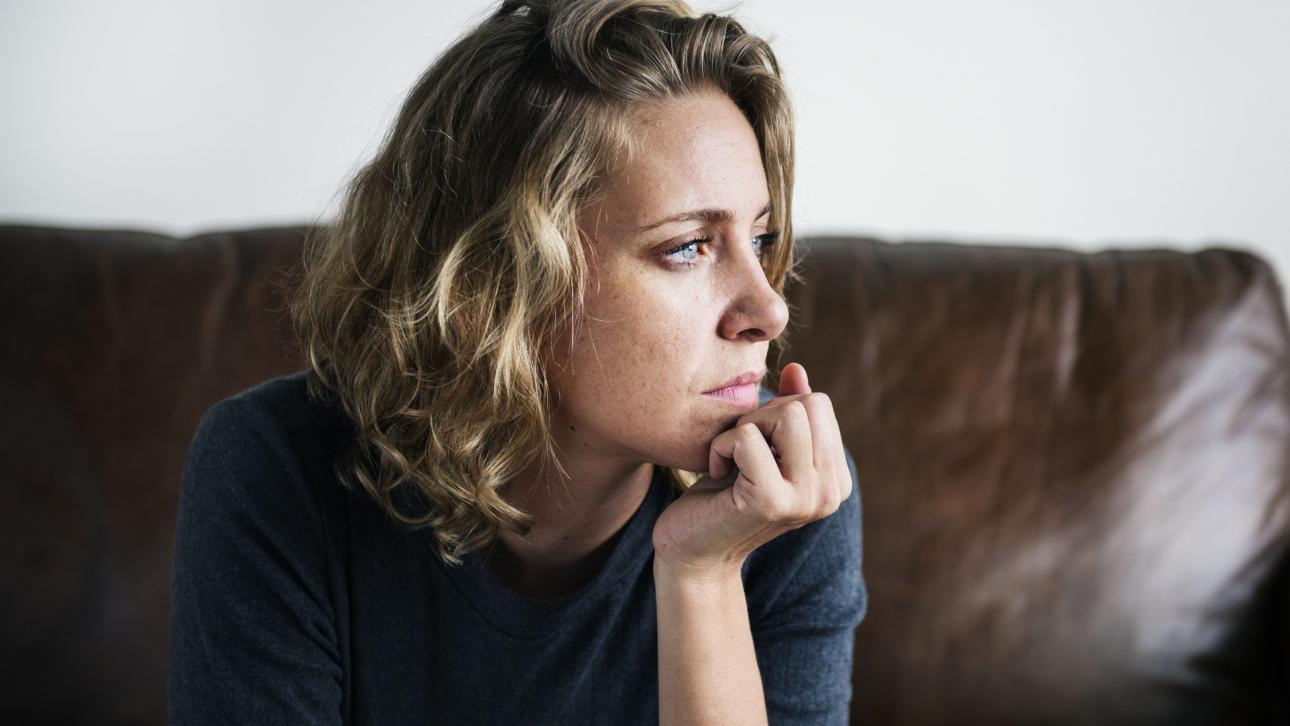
(781, 466)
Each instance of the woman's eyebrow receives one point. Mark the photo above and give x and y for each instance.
(707, 216)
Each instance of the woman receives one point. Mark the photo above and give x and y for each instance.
(550, 295)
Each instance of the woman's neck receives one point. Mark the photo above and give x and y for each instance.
(574, 526)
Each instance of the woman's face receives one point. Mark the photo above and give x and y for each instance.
(677, 302)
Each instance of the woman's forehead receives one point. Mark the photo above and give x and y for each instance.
(689, 154)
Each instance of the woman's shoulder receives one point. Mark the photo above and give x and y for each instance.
(272, 441)
(258, 561)
(284, 403)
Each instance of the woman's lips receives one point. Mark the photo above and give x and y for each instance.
(744, 396)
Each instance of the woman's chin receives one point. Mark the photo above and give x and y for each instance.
(688, 444)
(693, 459)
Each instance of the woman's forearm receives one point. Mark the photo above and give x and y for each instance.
(707, 668)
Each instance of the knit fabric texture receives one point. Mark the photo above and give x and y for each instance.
(296, 601)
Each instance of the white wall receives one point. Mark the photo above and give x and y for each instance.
(1081, 123)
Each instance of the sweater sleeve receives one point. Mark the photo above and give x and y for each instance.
(807, 595)
(252, 638)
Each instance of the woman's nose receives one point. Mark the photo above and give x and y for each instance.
(755, 312)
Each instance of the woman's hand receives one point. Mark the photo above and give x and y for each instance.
(780, 467)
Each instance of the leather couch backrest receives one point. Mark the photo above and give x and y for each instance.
(1073, 467)
(115, 343)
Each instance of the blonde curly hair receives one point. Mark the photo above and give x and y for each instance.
(426, 309)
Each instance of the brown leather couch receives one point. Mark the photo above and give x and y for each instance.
(1074, 468)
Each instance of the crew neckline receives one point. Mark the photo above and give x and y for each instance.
(529, 618)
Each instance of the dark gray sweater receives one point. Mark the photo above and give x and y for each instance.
(297, 602)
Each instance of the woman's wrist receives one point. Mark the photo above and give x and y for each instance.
(691, 574)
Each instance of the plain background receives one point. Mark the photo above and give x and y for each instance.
(1082, 124)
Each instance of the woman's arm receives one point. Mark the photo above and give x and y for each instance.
(790, 472)
(806, 594)
(252, 638)
(707, 667)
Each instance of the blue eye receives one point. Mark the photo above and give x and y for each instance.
(761, 242)
(688, 251)
(690, 248)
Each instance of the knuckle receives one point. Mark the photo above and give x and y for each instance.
(768, 513)
(820, 400)
(777, 510)
(806, 516)
(831, 500)
(796, 409)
